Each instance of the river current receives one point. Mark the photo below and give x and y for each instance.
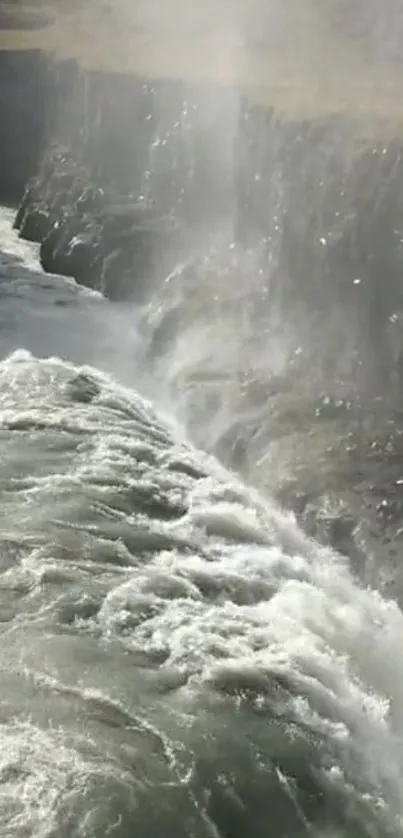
(177, 657)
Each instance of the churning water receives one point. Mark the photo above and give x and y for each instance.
(177, 657)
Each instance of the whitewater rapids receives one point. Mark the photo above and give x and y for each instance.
(177, 658)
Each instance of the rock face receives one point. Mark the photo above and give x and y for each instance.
(132, 165)
(26, 102)
(95, 236)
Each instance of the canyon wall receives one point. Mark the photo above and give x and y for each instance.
(128, 157)
(26, 104)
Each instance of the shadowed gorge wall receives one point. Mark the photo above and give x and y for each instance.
(305, 172)
(152, 138)
(25, 116)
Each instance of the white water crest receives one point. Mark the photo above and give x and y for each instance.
(177, 657)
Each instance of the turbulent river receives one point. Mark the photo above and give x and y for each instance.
(177, 657)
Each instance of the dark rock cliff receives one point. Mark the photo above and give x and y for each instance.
(26, 105)
(131, 166)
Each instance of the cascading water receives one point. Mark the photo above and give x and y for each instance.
(179, 657)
